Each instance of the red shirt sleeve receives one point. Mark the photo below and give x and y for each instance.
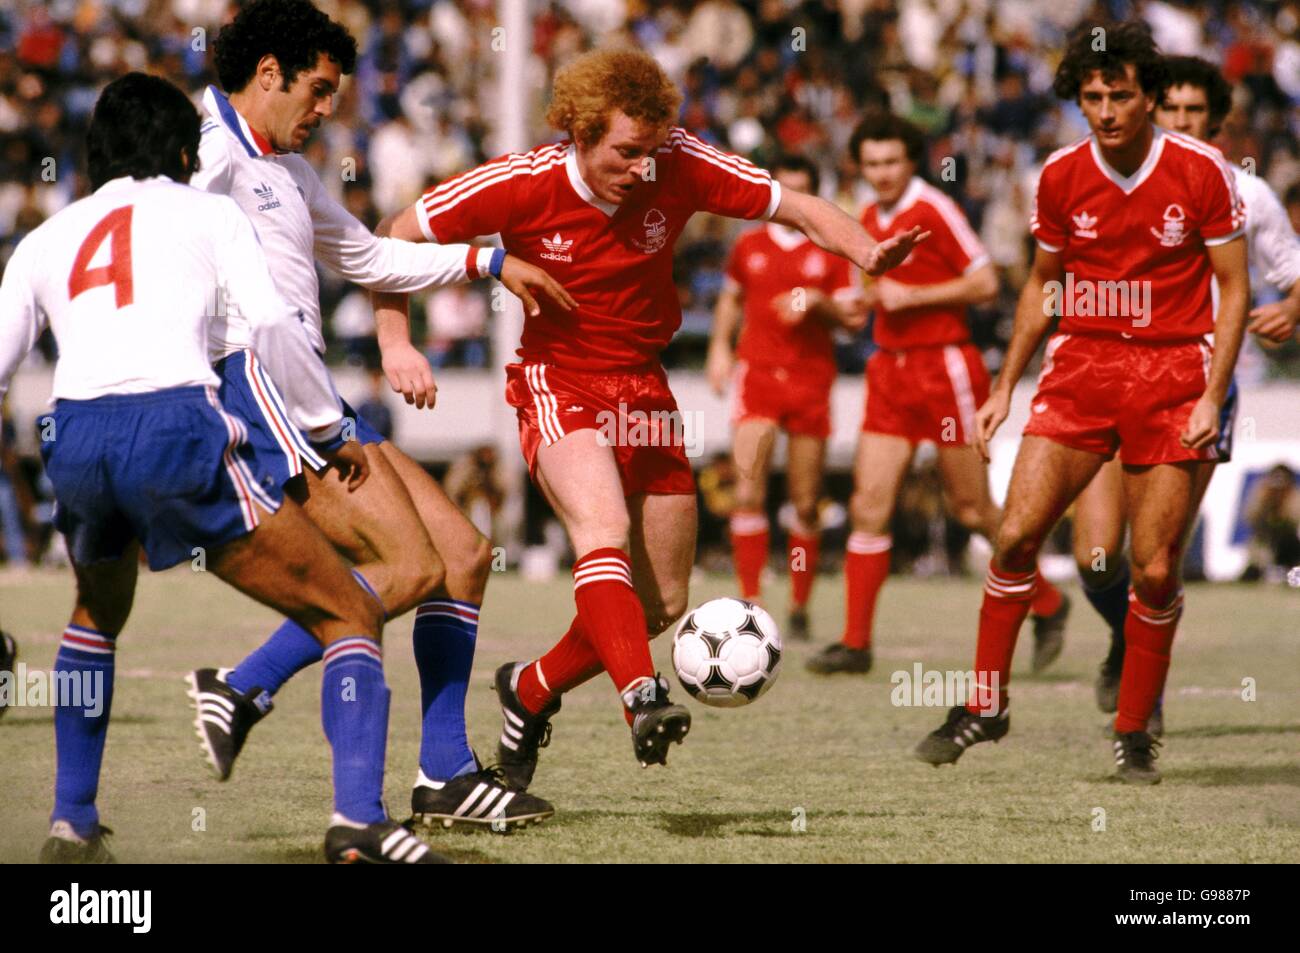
(1223, 213)
(1047, 222)
(722, 183)
(474, 203)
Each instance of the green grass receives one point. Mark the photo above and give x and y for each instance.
(834, 751)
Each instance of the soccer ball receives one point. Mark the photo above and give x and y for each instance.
(727, 652)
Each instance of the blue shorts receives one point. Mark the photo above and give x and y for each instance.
(170, 468)
(361, 429)
(279, 447)
(1227, 420)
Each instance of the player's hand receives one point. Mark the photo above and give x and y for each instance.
(350, 460)
(718, 368)
(524, 280)
(892, 295)
(987, 421)
(1202, 426)
(1274, 324)
(891, 252)
(410, 375)
(787, 313)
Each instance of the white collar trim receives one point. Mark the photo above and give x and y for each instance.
(784, 237)
(581, 187)
(1128, 184)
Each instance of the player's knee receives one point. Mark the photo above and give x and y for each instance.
(1156, 578)
(867, 514)
(805, 509)
(968, 513)
(1016, 548)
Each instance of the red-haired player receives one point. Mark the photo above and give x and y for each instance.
(924, 383)
(602, 211)
(784, 293)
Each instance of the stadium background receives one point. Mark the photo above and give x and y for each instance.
(427, 101)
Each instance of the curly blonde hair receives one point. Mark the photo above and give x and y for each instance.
(589, 88)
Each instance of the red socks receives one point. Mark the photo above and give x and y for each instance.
(1007, 596)
(611, 616)
(567, 665)
(1148, 637)
(1047, 598)
(749, 544)
(805, 548)
(865, 567)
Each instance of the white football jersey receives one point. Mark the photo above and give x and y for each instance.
(128, 279)
(1272, 244)
(299, 223)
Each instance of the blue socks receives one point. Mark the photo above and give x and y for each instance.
(354, 712)
(83, 697)
(443, 641)
(289, 650)
(1111, 603)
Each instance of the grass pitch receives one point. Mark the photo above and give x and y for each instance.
(817, 770)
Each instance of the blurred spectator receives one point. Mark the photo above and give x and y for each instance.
(473, 485)
(457, 333)
(1272, 512)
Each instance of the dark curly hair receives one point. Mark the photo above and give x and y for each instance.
(795, 162)
(1120, 44)
(142, 126)
(1205, 76)
(878, 125)
(293, 31)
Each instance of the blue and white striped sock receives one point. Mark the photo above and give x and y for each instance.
(443, 642)
(354, 712)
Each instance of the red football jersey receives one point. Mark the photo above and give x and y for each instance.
(951, 251)
(616, 261)
(771, 261)
(1133, 248)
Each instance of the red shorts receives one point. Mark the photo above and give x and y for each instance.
(925, 393)
(1101, 394)
(798, 399)
(635, 413)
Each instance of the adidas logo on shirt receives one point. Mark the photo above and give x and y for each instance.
(557, 249)
(266, 195)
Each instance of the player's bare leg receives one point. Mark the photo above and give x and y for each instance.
(879, 467)
(805, 463)
(663, 532)
(1161, 504)
(1099, 525)
(1046, 477)
(965, 482)
(378, 528)
(751, 451)
(580, 478)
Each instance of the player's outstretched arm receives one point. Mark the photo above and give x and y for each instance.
(835, 230)
(1229, 263)
(977, 286)
(722, 337)
(521, 279)
(1274, 252)
(1033, 317)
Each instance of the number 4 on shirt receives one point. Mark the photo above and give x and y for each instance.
(116, 227)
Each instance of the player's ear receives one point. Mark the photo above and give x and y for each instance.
(268, 72)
